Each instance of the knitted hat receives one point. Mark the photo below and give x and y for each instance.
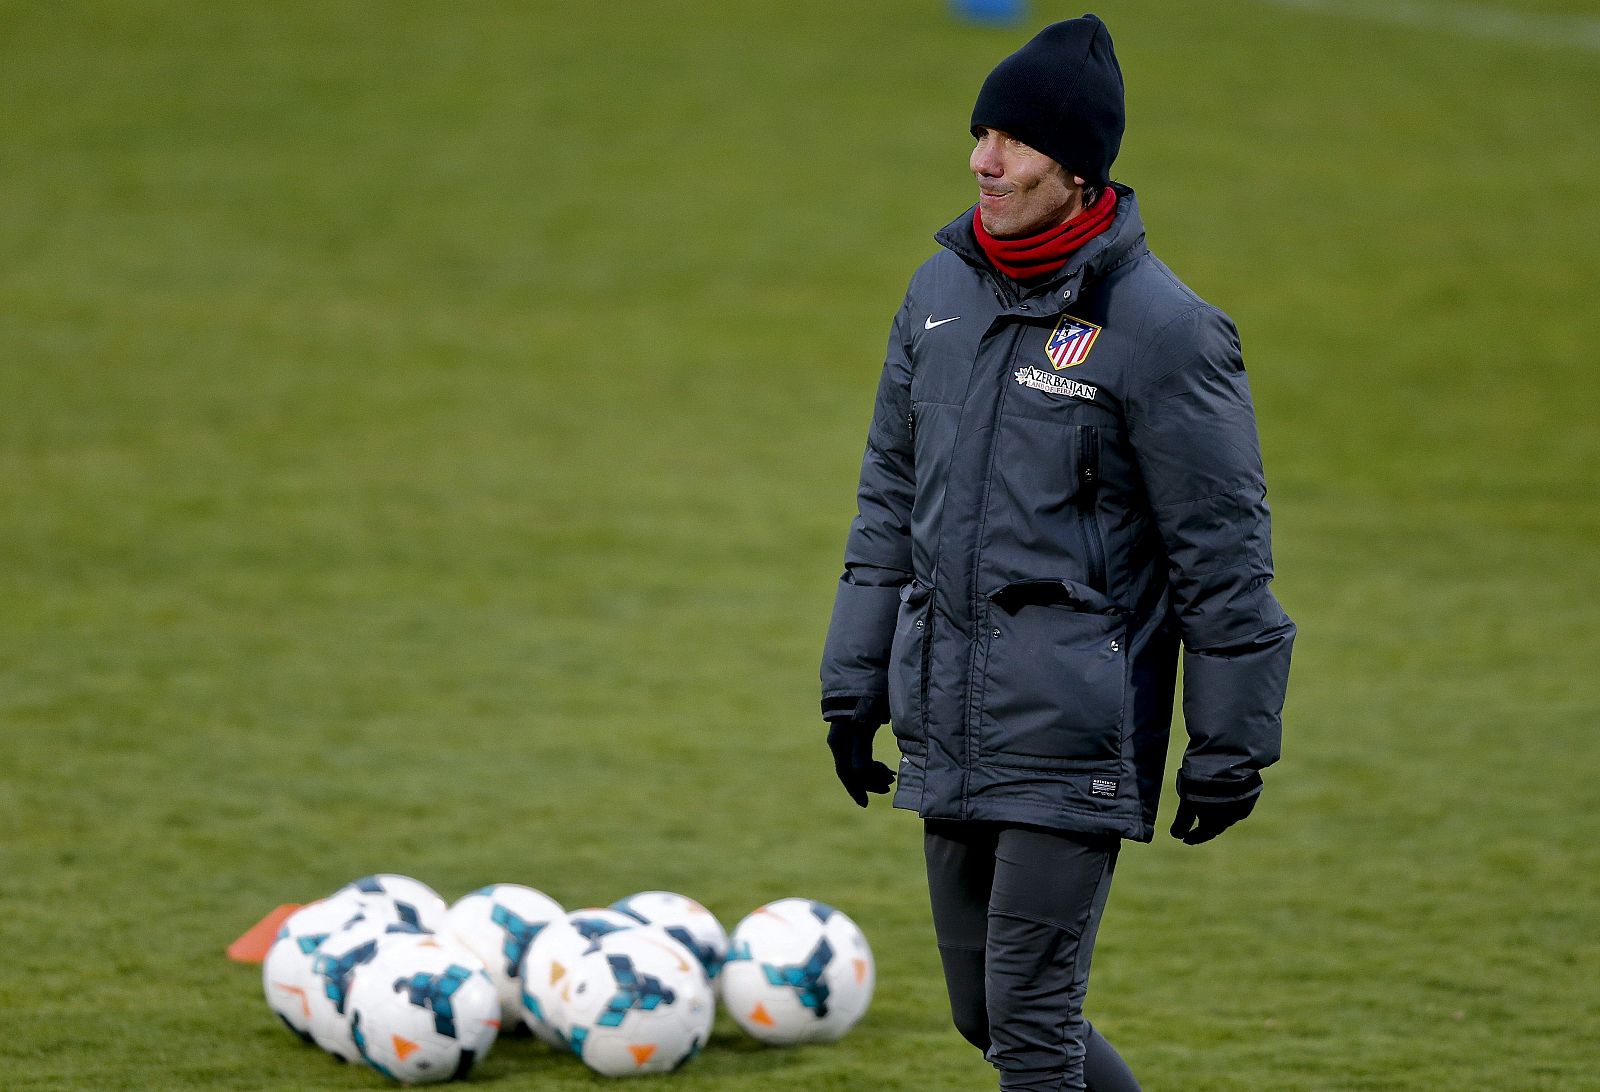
(1062, 94)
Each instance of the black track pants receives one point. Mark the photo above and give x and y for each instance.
(1016, 910)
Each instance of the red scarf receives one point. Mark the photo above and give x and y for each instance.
(1046, 252)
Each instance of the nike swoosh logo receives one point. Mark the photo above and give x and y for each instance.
(929, 324)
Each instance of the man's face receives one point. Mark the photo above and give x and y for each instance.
(1021, 190)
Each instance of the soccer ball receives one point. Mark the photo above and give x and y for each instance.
(423, 1011)
(639, 1002)
(287, 974)
(685, 921)
(798, 971)
(496, 924)
(551, 957)
(414, 902)
(335, 962)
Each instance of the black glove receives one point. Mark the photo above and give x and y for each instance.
(851, 744)
(1207, 808)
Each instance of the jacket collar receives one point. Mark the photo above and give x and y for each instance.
(1123, 240)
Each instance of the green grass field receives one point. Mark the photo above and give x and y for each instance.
(428, 431)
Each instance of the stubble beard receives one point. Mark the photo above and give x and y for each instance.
(1014, 224)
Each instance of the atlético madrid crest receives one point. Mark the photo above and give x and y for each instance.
(1069, 343)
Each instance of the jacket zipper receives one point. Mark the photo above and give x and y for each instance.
(970, 704)
(1088, 522)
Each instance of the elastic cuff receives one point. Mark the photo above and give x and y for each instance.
(866, 708)
(1204, 791)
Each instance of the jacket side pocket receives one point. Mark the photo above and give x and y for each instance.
(908, 667)
(1057, 677)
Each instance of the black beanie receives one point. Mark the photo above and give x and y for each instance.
(1062, 94)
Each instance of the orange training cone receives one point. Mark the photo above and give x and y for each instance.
(257, 940)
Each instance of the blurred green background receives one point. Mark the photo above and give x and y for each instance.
(428, 432)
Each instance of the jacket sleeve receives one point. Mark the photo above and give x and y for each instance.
(855, 657)
(1194, 434)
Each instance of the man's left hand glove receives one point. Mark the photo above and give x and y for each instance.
(1207, 808)
(851, 744)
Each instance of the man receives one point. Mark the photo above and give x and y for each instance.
(1062, 486)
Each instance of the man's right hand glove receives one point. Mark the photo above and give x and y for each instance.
(1207, 808)
(851, 744)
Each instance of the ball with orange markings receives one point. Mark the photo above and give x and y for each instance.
(684, 920)
(288, 974)
(639, 1003)
(548, 962)
(423, 1011)
(798, 971)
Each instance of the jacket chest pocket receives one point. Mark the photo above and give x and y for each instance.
(1047, 485)
(908, 667)
(1056, 677)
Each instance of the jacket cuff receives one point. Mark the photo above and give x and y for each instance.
(1203, 791)
(870, 709)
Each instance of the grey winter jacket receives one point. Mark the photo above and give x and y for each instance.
(1062, 484)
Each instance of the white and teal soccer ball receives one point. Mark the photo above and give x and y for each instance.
(497, 924)
(337, 958)
(547, 967)
(288, 976)
(798, 971)
(639, 1003)
(685, 921)
(423, 1011)
(414, 902)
